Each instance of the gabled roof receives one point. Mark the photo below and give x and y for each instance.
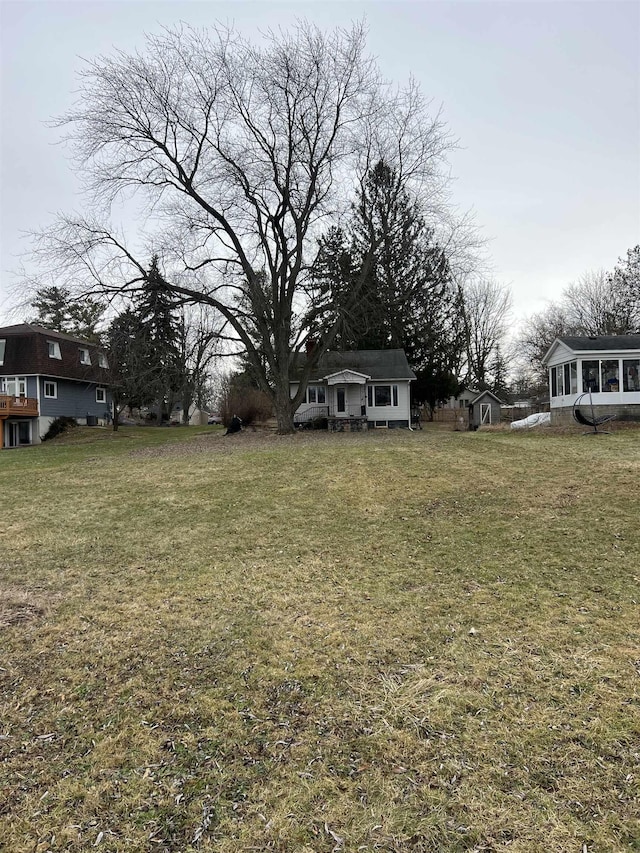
(600, 343)
(487, 393)
(378, 364)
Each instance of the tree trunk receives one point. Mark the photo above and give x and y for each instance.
(283, 412)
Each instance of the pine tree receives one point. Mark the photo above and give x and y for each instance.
(59, 311)
(160, 340)
(392, 284)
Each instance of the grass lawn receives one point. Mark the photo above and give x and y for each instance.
(392, 641)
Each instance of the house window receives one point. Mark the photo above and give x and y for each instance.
(316, 394)
(591, 376)
(13, 386)
(54, 349)
(382, 395)
(101, 395)
(571, 378)
(564, 379)
(3, 345)
(631, 374)
(610, 375)
(51, 390)
(102, 361)
(85, 358)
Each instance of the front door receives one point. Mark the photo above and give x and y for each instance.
(341, 401)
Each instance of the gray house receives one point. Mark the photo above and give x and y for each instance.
(606, 369)
(45, 375)
(356, 390)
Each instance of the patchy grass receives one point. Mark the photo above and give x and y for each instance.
(391, 641)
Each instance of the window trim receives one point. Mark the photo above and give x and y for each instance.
(103, 361)
(394, 396)
(85, 356)
(104, 394)
(53, 396)
(3, 347)
(317, 390)
(20, 383)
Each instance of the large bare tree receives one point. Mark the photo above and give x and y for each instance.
(486, 314)
(597, 303)
(239, 150)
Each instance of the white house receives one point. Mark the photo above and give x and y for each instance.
(357, 390)
(607, 367)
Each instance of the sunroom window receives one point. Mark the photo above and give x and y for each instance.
(591, 376)
(571, 378)
(610, 378)
(557, 381)
(631, 374)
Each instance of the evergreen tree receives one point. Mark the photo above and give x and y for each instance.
(160, 334)
(393, 286)
(59, 311)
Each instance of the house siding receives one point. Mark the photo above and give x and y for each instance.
(74, 400)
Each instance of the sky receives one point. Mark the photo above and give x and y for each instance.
(544, 98)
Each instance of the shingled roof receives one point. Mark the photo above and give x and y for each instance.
(377, 363)
(26, 353)
(601, 342)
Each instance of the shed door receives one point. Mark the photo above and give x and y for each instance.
(485, 413)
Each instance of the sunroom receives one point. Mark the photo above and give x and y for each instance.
(607, 368)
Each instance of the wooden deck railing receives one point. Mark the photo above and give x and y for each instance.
(12, 406)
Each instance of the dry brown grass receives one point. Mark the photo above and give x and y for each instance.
(393, 642)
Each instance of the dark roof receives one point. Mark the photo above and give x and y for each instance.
(31, 328)
(26, 353)
(378, 364)
(601, 342)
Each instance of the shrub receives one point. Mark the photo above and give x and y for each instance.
(249, 404)
(59, 426)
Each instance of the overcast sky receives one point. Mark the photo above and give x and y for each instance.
(543, 96)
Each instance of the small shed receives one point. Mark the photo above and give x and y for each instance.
(484, 409)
